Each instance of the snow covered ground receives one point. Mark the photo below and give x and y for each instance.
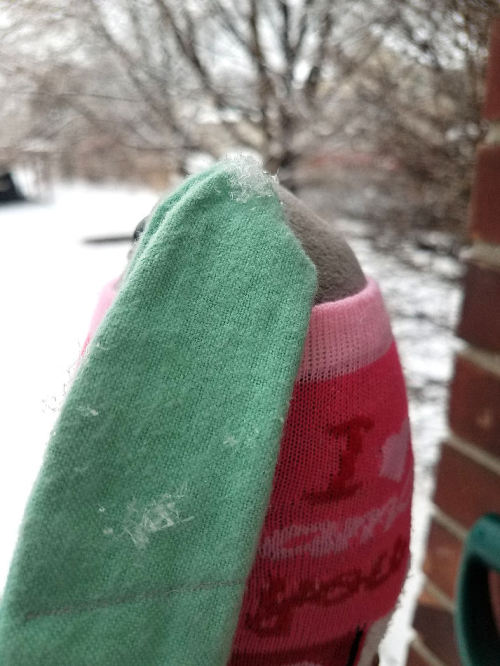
(50, 281)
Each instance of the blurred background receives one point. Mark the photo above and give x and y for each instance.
(376, 103)
(368, 110)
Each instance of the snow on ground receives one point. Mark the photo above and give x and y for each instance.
(50, 283)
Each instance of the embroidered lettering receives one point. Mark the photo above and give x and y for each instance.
(331, 536)
(277, 605)
(341, 484)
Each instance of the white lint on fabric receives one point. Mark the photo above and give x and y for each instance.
(141, 523)
(247, 178)
(86, 410)
(230, 441)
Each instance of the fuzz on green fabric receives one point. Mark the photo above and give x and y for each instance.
(143, 523)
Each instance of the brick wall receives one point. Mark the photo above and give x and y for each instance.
(468, 476)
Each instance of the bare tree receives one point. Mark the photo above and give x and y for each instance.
(283, 78)
(424, 104)
(163, 73)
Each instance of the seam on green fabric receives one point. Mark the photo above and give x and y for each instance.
(129, 599)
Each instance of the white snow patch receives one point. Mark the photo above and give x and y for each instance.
(247, 178)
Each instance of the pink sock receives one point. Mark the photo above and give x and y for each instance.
(333, 551)
(106, 298)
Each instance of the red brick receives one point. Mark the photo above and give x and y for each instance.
(491, 109)
(480, 319)
(474, 412)
(465, 490)
(442, 561)
(414, 659)
(434, 625)
(427, 599)
(485, 200)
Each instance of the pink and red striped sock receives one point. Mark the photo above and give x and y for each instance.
(333, 552)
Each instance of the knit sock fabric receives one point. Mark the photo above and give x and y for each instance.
(333, 551)
(142, 526)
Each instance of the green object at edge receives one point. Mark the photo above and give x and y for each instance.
(477, 633)
(142, 526)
